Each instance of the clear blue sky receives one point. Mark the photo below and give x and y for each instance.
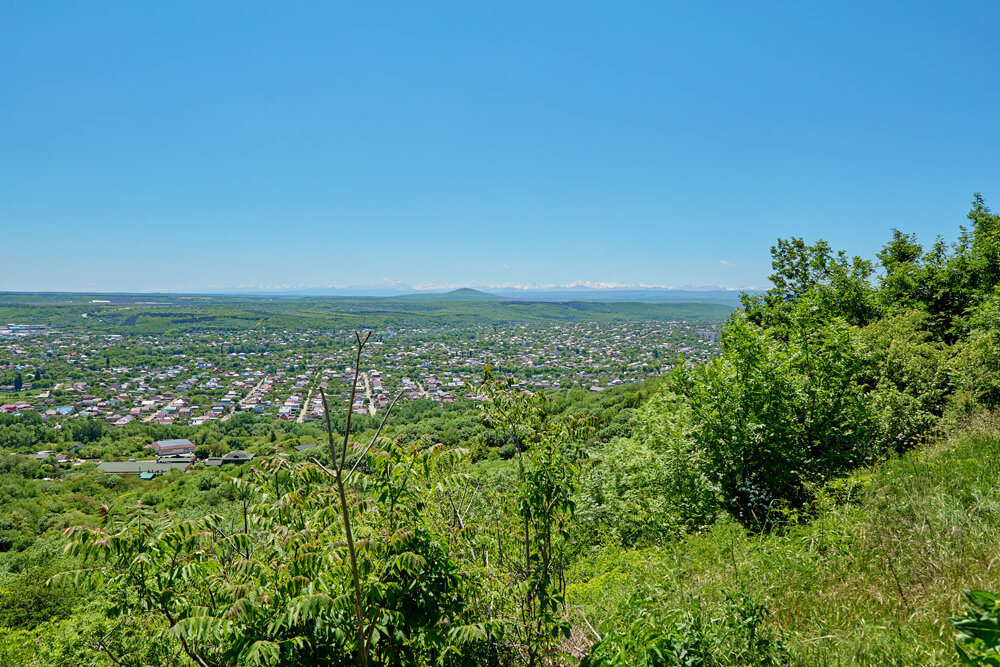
(194, 145)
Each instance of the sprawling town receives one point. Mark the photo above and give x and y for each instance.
(196, 378)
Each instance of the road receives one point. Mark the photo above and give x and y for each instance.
(305, 406)
(232, 408)
(368, 394)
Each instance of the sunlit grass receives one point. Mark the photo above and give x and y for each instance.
(871, 579)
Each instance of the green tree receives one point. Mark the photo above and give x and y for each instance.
(909, 375)
(547, 482)
(87, 429)
(277, 587)
(652, 487)
(777, 415)
(902, 281)
(948, 282)
(839, 284)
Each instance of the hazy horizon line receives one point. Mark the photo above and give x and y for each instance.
(402, 287)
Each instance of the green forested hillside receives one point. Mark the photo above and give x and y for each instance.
(820, 493)
(166, 313)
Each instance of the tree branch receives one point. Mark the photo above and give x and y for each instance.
(351, 550)
(374, 437)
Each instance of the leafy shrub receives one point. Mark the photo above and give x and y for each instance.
(207, 482)
(781, 412)
(653, 487)
(979, 629)
(650, 636)
(909, 374)
(108, 481)
(977, 372)
(279, 591)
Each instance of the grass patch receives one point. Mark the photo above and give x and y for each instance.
(871, 579)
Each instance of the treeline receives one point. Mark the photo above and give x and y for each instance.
(336, 314)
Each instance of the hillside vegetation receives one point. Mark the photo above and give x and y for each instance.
(821, 493)
(159, 314)
(870, 576)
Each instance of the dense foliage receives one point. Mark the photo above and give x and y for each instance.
(828, 371)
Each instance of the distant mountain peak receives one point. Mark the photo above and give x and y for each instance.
(460, 294)
(471, 293)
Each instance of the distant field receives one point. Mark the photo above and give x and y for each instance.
(159, 313)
